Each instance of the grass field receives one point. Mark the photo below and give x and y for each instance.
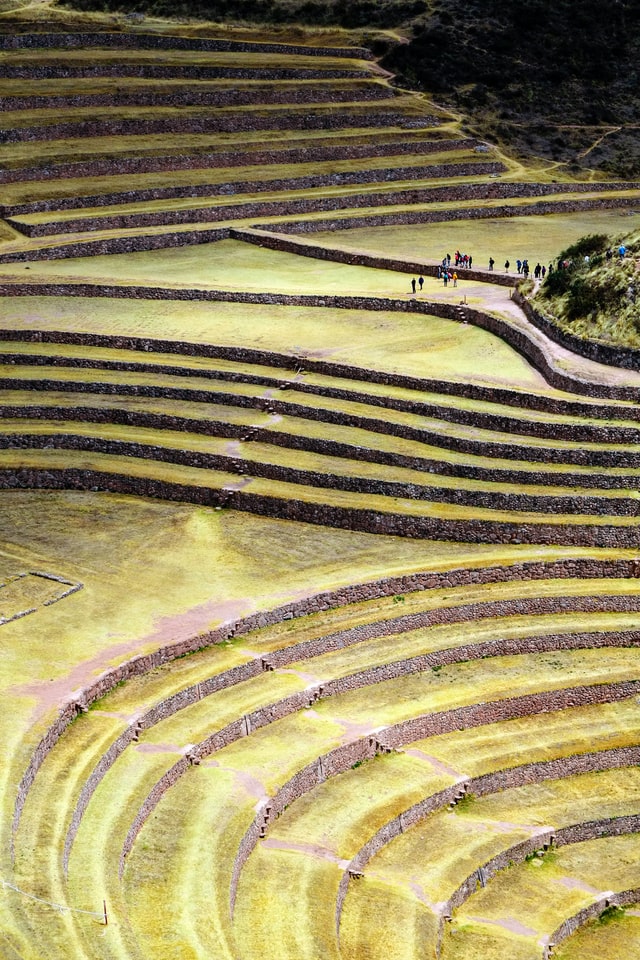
(242, 800)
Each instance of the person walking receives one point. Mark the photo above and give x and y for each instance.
(455, 279)
(491, 263)
(506, 265)
(413, 284)
(421, 282)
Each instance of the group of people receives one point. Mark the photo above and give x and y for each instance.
(465, 261)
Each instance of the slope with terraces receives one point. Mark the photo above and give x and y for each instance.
(427, 743)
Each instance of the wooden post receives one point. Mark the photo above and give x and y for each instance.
(104, 909)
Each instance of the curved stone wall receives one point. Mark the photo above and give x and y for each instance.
(594, 350)
(277, 710)
(572, 568)
(343, 758)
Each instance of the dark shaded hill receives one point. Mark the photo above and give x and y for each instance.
(547, 78)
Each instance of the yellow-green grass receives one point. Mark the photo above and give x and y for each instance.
(533, 237)
(265, 759)
(192, 568)
(172, 856)
(76, 149)
(517, 418)
(115, 407)
(108, 86)
(557, 734)
(92, 56)
(427, 347)
(224, 390)
(529, 901)
(27, 191)
(392, 923)
(249, 411)
(219, 481)
(354, 214)
(232, 265)
(186, 726)
(615, 935)
(75, 355)
(20, 154)
(170, 736)
(43, 117)
(256, 455)
(373, 189)
(432, 859)
(87, 737)
(150, 850)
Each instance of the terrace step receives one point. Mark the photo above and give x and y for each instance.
(579, 877)
(380, 178)
(230, 836)
(66, 193)
(203, 405)
(195, 671)
(257, 459)
(569, 424)
(211, 155)
(430, 860)
(385, 186)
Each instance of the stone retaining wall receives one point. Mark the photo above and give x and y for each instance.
(587, 433)
(212, 123)
(582, 504)
(152, 41)
(590, 533)
(289, 380)
(174, 96)
(494, 782)
(572, 568)
(149, 71)
(451, 192)
(399, 735)
(569, 926)
(517, 338)
(465, 213)
(243, 210)
(601, 352)
(277, 710)
(126, 166)
(467, 191)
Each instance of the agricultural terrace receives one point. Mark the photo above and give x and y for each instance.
(319, 606)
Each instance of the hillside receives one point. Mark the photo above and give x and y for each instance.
(505, 64)
(594, 293)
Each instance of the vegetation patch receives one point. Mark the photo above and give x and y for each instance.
(594, 292)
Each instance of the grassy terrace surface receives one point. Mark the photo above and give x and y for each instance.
(245, 732)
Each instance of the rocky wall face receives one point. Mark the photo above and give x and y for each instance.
(153, 72)
(593, 350)
(126, 166)
(212, 214)
(152, 41)
(212, 123)
(190, 96)
(472, 191)
(464, 191)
